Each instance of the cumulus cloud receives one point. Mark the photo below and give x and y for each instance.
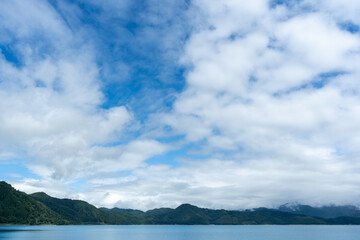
(272, 85)
(51, 100)
(269, 112)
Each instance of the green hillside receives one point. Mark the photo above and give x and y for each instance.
(18, 208)
(81, 212)
(39, 208)
(188, 214)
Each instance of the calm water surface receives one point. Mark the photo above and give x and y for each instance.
(181, 232)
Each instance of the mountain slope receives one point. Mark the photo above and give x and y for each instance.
(81, 212)
(75, 211)
(189, 214)
(127, 210)
(39, 208)
(323, 212)
(18, 208)
(184, 214)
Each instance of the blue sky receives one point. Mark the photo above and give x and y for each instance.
(144, 104)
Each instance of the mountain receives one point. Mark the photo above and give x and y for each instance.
(81, 212)
(127, 210)
(187, 214)
(39, 208)
(184, 214)
(74, 211)
(18, 208)
(331, 211)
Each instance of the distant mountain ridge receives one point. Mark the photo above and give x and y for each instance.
(331, 211)
(125, 210)
(39, 208)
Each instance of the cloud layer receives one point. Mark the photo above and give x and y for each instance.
(269, 112)
(51, 100)
(275, 90)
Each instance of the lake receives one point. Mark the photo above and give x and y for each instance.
(181, 232)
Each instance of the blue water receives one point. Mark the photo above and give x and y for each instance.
(181, 232)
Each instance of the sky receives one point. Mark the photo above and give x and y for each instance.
(153, 103)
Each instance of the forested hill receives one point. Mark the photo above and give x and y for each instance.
(39, 208)
(19, 208)
(81, 212)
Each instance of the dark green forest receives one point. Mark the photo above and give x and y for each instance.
(17, 207)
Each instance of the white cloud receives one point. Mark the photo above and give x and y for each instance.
(221, 93)
(25, 19)
(50, 100)
(256, 92)
(271, 101)
(345, 10)
(217, 183)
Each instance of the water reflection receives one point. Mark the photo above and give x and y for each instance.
(180, 232)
